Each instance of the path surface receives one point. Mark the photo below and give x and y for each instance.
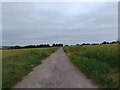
(56, 72)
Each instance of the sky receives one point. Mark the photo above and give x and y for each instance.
(25, 23)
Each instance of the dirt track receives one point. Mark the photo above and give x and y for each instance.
(56, 72)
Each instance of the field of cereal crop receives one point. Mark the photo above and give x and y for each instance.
(17, 63)
(98, 62)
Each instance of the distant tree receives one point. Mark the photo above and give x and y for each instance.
(113, 42)
(77, 44)
(15, 47)
(95, 44)
(86, 44)
(30, 46)
(53, 45)
(47, 45)
(37, 46)
(118, 41)
(57, 45)
(105, 42)
(60, 45)
(66, 45)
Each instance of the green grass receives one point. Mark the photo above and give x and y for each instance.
(17, 63)
(98, 62)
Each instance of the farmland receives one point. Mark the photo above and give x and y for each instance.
(97, 62)
(17, 63)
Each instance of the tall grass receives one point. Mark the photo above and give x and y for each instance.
(98, 62)
(19, 62)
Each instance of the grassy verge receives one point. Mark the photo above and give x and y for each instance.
(98, 62)
(19, 62)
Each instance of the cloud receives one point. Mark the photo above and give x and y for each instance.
(68, 23)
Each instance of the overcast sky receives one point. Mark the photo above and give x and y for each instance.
(67, 23)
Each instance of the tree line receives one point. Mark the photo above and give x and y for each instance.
(35, 46)
(58, 45)
(104, 42)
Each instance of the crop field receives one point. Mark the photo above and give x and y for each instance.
(98, 62)
(17, 63)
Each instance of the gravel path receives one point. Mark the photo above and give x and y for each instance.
(56, 72)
